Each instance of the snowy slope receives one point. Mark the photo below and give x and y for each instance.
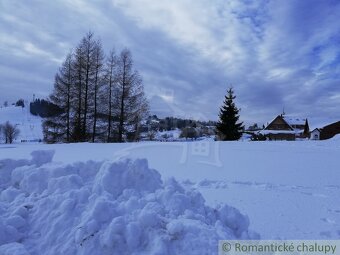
(288, 190)
(28, 124)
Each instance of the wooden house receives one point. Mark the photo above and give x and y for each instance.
(330, 130)
(286, 128)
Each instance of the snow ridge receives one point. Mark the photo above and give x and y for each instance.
(106, 207)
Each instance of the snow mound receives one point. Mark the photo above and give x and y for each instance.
(102, 208)
(335, 138)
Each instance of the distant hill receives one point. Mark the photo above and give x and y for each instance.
(29, 125)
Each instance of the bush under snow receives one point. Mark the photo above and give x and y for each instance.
(106, 208)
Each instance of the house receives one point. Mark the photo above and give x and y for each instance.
(330, 130)
(286, 128)
(315, 134)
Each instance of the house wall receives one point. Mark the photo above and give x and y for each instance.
(315, 135)
(281, 137)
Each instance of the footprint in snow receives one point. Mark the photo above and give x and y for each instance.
(327, 234)
(333, 210)
(319, 195)
(212, 184)
(206, 184)
(327, 220)
(313, 194)
(242, 183)
(332, 187)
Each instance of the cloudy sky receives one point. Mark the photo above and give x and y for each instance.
(275, 53)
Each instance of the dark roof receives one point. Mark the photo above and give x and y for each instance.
(330, 130)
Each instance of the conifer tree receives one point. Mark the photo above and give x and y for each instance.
(228, 127)
(110, 90)
(97, 85)
(94, 101)
(58, 128)
(132, 103)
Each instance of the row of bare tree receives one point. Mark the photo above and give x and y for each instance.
(101, 97)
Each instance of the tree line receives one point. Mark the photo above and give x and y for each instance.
(171, 123)
(102, 97)
(44, 108)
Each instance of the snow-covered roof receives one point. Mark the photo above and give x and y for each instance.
(293, 121)
(316, 129)
(320, 122)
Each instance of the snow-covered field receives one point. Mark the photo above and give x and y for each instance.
(28, 124)
(115, 205)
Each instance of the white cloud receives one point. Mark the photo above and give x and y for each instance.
(274, 52)
(213, 29)
(26, 49)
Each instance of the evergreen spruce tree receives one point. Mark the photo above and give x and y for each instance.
(228, 127)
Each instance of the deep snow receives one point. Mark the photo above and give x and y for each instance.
(120, 207)
(288, 190)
